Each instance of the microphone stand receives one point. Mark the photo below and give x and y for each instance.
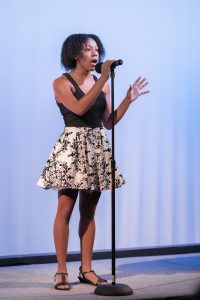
(114, 289)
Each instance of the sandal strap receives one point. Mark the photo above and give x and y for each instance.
(62, 277)
(99, 279)
(61, 273)
(91, 271)
(63, 281)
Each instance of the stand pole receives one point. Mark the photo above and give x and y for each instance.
(113, 289)
(113, 178)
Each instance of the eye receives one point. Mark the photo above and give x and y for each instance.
(88, 49)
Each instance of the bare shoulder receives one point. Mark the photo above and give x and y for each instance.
(62, 83)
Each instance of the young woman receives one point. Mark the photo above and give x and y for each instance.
(80, 162)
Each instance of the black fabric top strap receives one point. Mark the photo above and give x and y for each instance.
(92, 118)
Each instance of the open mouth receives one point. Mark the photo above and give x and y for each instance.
(94, 61)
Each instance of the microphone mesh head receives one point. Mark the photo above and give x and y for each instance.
(98, 67)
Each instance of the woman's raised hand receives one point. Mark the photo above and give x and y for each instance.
(136, 89)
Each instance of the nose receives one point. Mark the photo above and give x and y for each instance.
(94, 53)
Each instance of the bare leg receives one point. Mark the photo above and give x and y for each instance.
(66, 201)
(87, 207)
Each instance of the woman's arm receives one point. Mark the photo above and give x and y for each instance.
(63, 90)
(133, 93)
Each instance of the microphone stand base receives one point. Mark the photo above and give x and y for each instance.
(117, 289)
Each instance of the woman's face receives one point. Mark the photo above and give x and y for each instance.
(89, 56)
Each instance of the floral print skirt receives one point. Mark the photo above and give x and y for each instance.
(80, 159)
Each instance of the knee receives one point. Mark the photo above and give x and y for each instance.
(88, 204)
(65, 206)
(64, 211)
(87, 214)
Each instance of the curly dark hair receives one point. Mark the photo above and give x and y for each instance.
(73, 45)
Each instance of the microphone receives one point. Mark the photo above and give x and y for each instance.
(114, 65)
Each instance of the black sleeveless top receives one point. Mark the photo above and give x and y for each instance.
(92, 118)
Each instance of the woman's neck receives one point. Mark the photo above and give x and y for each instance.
(80, 74)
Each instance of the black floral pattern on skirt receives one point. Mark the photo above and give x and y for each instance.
(80, 159)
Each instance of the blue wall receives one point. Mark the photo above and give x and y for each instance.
(157, 143)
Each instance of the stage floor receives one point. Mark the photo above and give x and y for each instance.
(156, 277)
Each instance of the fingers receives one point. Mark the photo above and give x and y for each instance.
(143, 85)
(105, 68)
(145, 92)
(108, 62)
(140, 83)
(136, 89)
(137, 81)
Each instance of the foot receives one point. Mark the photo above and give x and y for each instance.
(91, 277)
(61, 281)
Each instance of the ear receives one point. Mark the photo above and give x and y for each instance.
(76, 57)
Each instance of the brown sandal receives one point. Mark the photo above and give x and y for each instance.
(63, 282)
(82, 278)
